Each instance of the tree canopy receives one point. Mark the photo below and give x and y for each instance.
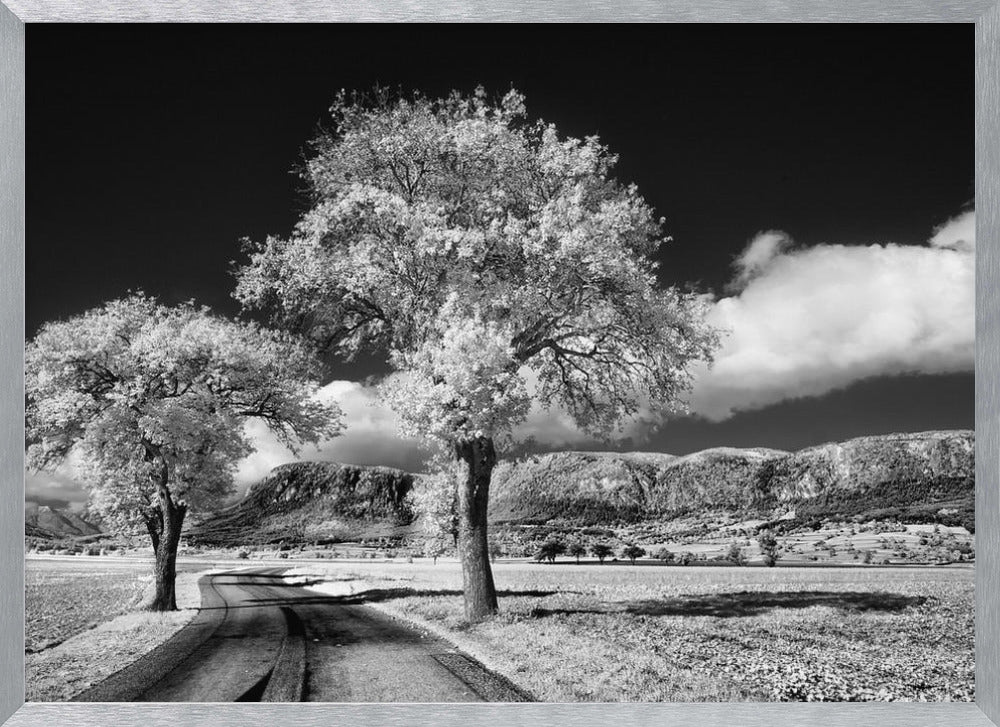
(494, 261)
(496, 264)
(151, 401)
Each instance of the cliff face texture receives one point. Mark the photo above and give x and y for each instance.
(309, 501)
(925, 477)
(42, 521)
(916, 474)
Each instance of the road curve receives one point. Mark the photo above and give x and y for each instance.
(258, 637)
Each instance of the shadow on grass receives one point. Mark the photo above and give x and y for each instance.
(750, 603)
(297, 596)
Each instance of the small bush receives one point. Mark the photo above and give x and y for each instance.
(632, 552)
(768, 547)
(549, 550)
(577, 549)
(601, 551)
(665, 556)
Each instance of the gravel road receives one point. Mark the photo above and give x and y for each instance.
(259, 637)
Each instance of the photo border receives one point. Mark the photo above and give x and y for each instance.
(986, 16)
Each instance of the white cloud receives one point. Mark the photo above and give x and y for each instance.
(817, 319)
(58, 488)
(958, 233)
(759, 254)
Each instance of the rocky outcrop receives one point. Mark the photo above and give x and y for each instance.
(42, 521)
(313, 501)
(916, 472)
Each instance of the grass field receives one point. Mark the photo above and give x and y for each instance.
(622, 633)
(652, 633)
(81, 624)
(61, 599)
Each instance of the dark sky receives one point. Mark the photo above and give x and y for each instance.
(152, 149)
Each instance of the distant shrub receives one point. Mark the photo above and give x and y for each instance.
(632, 552)
(735, 555)
(577, 549)
(768, 547)
(242, 554)
(549, 550)
(601, 551)
(665, 555)
(495, 550)
(597, 532)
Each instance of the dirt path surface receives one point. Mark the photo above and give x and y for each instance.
(260, 638)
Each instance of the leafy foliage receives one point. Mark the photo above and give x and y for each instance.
(735, 555)
(632, 552)
(768, 545)
(495, 261)
(435, 497)
(497, 264)
(550, 550)
(665, 556)
(601, 551)
(145, 395)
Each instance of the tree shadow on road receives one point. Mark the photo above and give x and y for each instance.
(376, 595)
(750, 603)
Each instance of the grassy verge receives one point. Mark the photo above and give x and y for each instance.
(62, 602)
(620, 633)
(80, 661)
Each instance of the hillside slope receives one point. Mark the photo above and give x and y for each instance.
(914, 474)
(313, 501)
(923, 477)
(43, 521)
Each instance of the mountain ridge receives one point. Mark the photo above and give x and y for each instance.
(916, 477)
(913, 470)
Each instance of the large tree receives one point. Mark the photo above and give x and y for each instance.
(151, 402)
(496, 263)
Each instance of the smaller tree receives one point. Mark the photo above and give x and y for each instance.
(153, 401)
(434, 549)
(768, 547)
(632, 552)
(435, 498)
(550, 549)
(601, 551)
(664, 556)
(735, 555)
(686, 558)
(576, 549)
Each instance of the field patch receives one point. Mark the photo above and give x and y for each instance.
(622, 633)
(97, 644)
(65, 599)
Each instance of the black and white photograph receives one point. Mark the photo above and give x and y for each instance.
(500, 363)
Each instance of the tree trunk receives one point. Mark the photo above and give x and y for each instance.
(164, 523)
(473, 547)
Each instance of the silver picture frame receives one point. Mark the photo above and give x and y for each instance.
(985, 14)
